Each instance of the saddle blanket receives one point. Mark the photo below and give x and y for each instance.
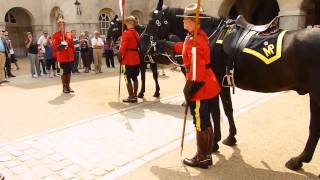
(267, 48)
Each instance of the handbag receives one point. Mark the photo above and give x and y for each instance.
(191, 88)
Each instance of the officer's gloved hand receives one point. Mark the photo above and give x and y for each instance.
(166, 44)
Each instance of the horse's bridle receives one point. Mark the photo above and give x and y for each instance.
(222, 24)
(152, 39)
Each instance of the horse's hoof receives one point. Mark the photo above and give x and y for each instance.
(230, 141)
(294, 164)
(140, 95)
(215, 148)
(156, 94)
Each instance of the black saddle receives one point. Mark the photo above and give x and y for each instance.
(237, 40)
(242, 22)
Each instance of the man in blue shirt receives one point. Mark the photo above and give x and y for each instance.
(3, 56)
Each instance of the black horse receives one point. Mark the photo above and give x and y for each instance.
(297, 69)
(114, 34)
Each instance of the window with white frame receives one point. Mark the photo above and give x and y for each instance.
(104, 20)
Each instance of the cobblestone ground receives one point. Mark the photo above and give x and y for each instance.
(94, 148)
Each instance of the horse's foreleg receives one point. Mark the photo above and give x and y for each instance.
(154, 70)
(314, 133)
(215, 114)
(228, 110)
(143, 80)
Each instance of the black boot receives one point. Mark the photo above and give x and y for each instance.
(68, 83)
(210, 142)
(131, 98)
(201, 159)
(64, 83)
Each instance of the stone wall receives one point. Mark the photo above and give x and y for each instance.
(40, 12)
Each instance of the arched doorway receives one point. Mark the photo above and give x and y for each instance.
(312, 9)
(255, 11)
(138, 15)
(18, 21)
(105, 16)
(55, 13)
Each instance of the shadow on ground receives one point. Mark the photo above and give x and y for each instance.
(61, 99)
(233, 168)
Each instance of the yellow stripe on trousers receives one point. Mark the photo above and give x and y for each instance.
(61, 70)
(124, 74)
(197, 116)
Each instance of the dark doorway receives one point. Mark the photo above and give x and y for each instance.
(257, 12)
(18, 22)
(312, 9)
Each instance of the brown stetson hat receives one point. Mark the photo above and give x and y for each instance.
(191, 11)
(131, 19)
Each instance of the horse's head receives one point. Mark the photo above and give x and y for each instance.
(115, 29)
(157, 29)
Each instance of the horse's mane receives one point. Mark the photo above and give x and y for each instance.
(208, 25)
(171, 15)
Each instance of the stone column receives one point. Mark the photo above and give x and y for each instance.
(292, 20)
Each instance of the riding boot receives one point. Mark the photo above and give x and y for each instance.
(68, 83)
(201, 159)
(135, 88)
(131, 98)
(210, 143)
(64, 83)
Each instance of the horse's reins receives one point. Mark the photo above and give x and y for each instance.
(166, 54)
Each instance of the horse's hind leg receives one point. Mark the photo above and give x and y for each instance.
(228, 110)
(215, 115)
(154, 70)
(314, 133)
(143, 80)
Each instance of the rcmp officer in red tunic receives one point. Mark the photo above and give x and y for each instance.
(62, 45)
(202, 100)
(130, 58)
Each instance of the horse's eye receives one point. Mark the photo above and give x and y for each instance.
(155, 11)
(165, 22)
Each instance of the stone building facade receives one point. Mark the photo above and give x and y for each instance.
(37, 16)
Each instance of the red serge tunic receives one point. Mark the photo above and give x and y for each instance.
(64, 55)
(129, 47)
(211, 87)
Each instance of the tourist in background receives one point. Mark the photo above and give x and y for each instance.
(49, 58)
(41, 51)
(76, 43)
(108, 53)
(32, 49)
(84, 48)
(4, 50)
(97, 45)
(8, 59)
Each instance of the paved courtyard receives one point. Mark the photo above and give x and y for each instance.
(90, 135)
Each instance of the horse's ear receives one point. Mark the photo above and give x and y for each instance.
(160, 4)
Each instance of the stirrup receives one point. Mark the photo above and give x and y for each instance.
(228, 79)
